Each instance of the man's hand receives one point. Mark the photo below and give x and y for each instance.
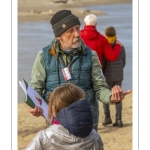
(118, 94)
(37, 111)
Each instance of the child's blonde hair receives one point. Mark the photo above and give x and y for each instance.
(63, 96)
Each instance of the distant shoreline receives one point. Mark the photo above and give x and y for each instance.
(33, 11)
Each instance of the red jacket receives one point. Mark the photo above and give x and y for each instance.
(97, 42)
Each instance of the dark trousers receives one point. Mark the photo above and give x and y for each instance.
(118, 106)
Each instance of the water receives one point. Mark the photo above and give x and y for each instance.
(32, 37)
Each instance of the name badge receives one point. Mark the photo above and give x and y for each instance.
(66, 73)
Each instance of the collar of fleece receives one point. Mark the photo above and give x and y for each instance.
(77, 118)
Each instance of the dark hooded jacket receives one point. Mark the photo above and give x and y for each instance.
(113, 71)
(77, 118)
(73, 133)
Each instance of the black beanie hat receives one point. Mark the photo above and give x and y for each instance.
(63, 20)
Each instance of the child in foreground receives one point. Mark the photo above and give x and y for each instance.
(69, 107)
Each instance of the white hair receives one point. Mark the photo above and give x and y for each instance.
(90, 20)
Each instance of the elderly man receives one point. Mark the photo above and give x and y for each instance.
(68, 60)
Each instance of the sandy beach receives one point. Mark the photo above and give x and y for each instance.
(114, 138)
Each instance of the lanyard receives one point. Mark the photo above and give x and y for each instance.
(66, 65)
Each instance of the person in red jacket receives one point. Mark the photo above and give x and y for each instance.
(96, 41)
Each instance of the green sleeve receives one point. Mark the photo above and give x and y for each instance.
(100, 86)
(38, 74)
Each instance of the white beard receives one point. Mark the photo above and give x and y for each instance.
(75, 44)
